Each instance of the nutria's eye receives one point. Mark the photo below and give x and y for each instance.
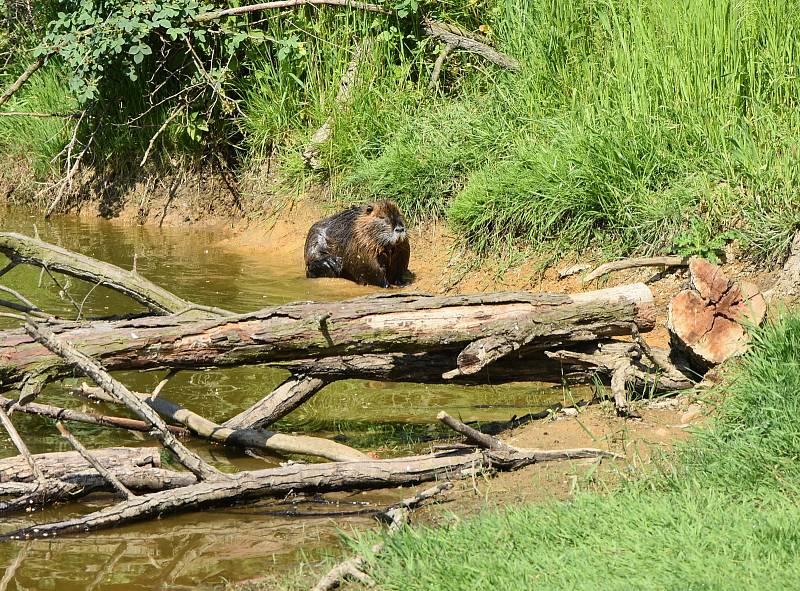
(369, 209)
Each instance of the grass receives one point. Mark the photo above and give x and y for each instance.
(721, 513)
(631, 123)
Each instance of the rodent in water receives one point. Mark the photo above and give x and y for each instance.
(367, 244)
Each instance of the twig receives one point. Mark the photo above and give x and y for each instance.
(208, 16)
(20, 445)
(160, 386)
(666, 261)
(7, 268)
(63, 290)
(437, 66)
(29, 71)
(161, 129)
(38, 114)
(481, 439)
(112, 480)
(91, 368)
(66, 184)
(68, 414)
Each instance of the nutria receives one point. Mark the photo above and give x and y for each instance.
(366, 244)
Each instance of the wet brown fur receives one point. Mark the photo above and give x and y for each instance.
(362, 244)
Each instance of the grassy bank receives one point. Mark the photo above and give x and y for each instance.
(636, 125)
(720, 514)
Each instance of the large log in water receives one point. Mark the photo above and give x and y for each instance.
(484, 327)
(57, 464)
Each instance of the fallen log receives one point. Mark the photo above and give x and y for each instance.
(395, 322)
(708, 322)
(315, 478)
(59, 464)
(22, 249)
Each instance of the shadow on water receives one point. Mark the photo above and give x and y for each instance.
(202, 550)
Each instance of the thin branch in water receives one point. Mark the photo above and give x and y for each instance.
(86, 455)
(20, 445)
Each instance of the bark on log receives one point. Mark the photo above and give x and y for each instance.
(708, 321)
(26, 250)
(290, 394)
(59, 464)
(276, 482)
(389, 323)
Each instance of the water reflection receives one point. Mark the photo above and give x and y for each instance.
(200, 550)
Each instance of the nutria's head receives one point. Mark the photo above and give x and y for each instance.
(383, 222)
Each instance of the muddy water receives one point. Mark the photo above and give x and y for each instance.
(204, 550)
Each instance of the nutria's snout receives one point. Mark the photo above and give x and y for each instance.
(399, 234)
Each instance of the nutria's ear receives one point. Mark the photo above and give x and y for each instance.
(369, 209)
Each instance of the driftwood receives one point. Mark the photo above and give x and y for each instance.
(325, 477)
(92, 369)
(22, 249)
(58, 464)
(244, 437)
(666, 261)
(396, 322)
(708, 322)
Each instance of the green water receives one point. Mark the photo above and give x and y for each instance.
(203, 550)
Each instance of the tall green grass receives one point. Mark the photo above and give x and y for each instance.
(721, 514)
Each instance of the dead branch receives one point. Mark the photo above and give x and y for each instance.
(86, 455)
(323, 134)
(177, 111)
(433, 83)
(481, 439)
(289, 395)
(19, 443)
(452, 35)
(72, 356)
(666, 261)
(245, 437)
(66, 414)
(31, 251)
(23, 78)
(209, 16)
(330, 476)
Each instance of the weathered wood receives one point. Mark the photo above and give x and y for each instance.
(22, 249)
(290, 394)
(92, 369)
(580, 364)
(277, 482)
(67, 414)
(481, 439)
(58, 464)
(107, 474)
(708, 322)
(242, 437)
(394, 322)
(459, 39)
(665, 261)
(19, 443)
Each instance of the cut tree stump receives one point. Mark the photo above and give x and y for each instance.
(709, 321)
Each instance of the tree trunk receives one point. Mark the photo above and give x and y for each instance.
(58, 464)
(391, 323)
